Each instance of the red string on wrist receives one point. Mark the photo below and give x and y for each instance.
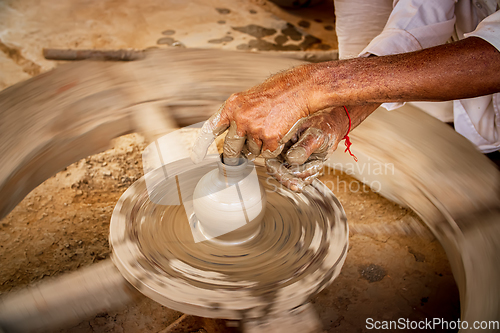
(348, 142)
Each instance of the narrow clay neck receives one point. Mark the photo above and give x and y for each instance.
(233, 172)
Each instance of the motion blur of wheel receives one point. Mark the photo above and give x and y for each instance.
(296, 3)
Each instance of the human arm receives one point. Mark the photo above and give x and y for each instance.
(284, 171)
(266, 114)
(463, 69)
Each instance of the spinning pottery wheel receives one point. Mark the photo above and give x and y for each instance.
(298, 250)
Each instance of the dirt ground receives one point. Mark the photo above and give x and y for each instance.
(63, 225)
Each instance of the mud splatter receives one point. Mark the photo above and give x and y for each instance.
(243, 47)
(291, 32)
(221, 22)
(372, 272)
(252, 11)
(308, 42)
(223, 11)
(169, 41)
(165, 41)
(281, 39)
(263, 45)
(255, 30)
(168, 32)
(304, 24)
(224, 39)
(318, 20)
(324, 47)
(329, 27)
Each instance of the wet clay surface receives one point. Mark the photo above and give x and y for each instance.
(43, 237)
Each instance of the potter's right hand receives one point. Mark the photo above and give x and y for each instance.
(261, 119)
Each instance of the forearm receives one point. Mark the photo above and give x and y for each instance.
(358, 113)
(338, 119)
(465, 69)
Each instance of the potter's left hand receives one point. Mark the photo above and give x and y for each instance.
(318, 135)
(302, 159)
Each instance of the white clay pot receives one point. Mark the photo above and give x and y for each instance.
(229, 203)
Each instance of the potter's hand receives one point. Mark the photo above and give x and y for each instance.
(317, 135)
(261, 119)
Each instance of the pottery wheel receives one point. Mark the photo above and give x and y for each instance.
(299, 250)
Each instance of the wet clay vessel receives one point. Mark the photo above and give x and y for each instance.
(230, 202)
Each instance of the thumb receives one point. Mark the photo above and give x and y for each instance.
(212, 128)
(310, 141)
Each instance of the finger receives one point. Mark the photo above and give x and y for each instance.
(307, 169)
(248, 154)
(296, 128)
(311, 141)
(311, 178)
(254, 147)
(212, 128)
(288, 145)
(290, 135)
(322, 156)
(266, 153)
(233, 145)
(276, 169)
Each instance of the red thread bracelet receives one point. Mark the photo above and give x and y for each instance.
(348, 142)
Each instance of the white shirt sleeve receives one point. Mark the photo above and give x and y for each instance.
(414, 25)
(478, 119)
(489, 30)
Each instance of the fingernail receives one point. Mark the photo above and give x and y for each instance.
(296, 155)
(297, 187)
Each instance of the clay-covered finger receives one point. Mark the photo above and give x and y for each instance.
(276, 169)
(307, 169)
(309, 180)
(266, 153)
(233, 145)
(213, 127)
(248, 154)
(254, 147)
(310, 141)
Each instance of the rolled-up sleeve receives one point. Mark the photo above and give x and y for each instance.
(489, 30)
(414, 25)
